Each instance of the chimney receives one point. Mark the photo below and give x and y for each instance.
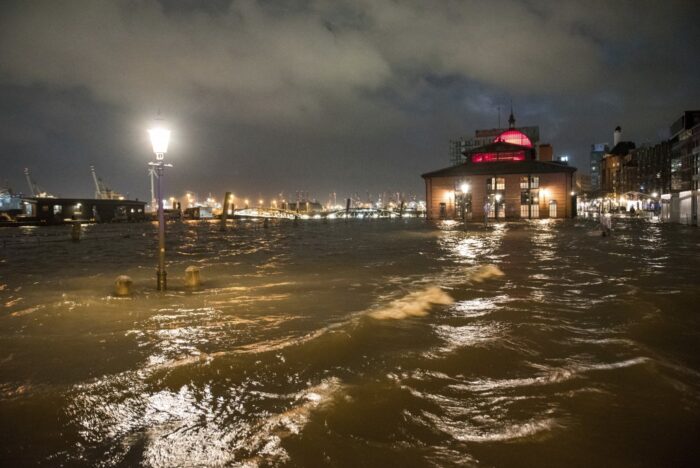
(617, 136)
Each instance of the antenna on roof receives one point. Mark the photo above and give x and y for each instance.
(511, 119)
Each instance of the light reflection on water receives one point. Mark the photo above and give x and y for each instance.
(364, 343)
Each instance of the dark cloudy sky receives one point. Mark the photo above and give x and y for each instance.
(325, 95)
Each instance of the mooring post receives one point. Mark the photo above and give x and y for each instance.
(75, 232)
(192, 277)
(224, 213)
(347, 209)
(122, 286)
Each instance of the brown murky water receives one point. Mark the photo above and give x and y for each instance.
(367, 343)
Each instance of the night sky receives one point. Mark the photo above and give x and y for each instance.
(320, 96)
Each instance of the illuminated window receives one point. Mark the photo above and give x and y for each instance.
(534, 182)
(495, 183)
(533, 211)
(492, 157)
(514, 137)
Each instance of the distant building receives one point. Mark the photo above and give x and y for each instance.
(501, 179)
(582, 183)
(654, 166)
(62, 210)
(681, 203)
(618, 169)
(597, 152)
(685, 152)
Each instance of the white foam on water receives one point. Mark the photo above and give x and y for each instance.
(267, 436)
(415, 304)
(484, 272)
(554, 376)
(507, 433)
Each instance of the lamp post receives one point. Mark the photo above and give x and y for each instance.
(160, 137)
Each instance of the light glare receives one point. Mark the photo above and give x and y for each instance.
(160, 137)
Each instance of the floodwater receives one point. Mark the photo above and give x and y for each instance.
(366, 343)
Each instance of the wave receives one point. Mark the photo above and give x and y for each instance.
(465, 432)
(553, 377)
(415, 304)
(483, 273)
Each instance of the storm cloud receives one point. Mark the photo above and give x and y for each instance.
(325, 95)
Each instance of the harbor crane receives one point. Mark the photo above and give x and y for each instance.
(34, 189)
(102, 192)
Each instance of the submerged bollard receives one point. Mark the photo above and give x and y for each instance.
(76, 232)
(122, 286)
(192, 277)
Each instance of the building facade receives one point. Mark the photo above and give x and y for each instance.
(618, 170)
(654, 166)
(66, 210)
(501, 180)
(681, 203)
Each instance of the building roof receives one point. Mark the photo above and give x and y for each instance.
(501, 167)
(622, 148)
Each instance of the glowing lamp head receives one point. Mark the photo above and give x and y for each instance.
(655, 194)
(465, 188)
(498, 197)
(160, 137)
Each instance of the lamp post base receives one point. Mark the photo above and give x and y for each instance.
(161, 280)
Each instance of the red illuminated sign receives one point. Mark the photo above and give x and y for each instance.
(492, 157)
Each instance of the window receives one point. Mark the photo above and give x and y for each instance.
(534, 182)
(463, 205)
(495, 183)
(553, 209)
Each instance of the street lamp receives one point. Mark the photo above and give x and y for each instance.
(160, 137)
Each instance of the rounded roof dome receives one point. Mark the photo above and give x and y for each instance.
(514, 137)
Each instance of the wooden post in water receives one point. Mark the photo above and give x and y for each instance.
(347, 208)
(224, 213)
